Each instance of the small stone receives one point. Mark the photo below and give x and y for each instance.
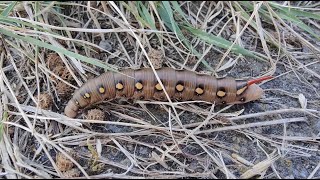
(106, 45)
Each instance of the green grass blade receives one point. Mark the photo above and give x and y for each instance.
(146, 16)
(7, 11)
(164, 17)
(299, 23)
(166, 14)
(17, 23)
(244, 13)
(135, 13)
(173, 23)
(176, 6)
(220, 42)
(296, 12)
(290, 14)
(57, 49)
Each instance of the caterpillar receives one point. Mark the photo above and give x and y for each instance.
(182, 85)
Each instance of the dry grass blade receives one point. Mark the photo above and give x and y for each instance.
(279, 121)
(49, 49)
(260, 167)
(314, 171)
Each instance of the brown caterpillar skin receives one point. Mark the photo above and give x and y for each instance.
(181, 85)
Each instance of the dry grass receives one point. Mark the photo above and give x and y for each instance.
(49, 49)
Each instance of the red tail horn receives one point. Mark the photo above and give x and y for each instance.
(253, 81)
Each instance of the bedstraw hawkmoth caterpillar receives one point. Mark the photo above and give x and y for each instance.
(181, 85)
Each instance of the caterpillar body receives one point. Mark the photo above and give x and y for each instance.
(182, 85)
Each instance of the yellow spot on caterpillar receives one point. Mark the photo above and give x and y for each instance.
(86, 95)
(221, 93)
(241, 90)
(119, 86)
(139, 86)
(101, 90)
(158, 87)
(199, 91)
(77, 103)
(179, 87)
